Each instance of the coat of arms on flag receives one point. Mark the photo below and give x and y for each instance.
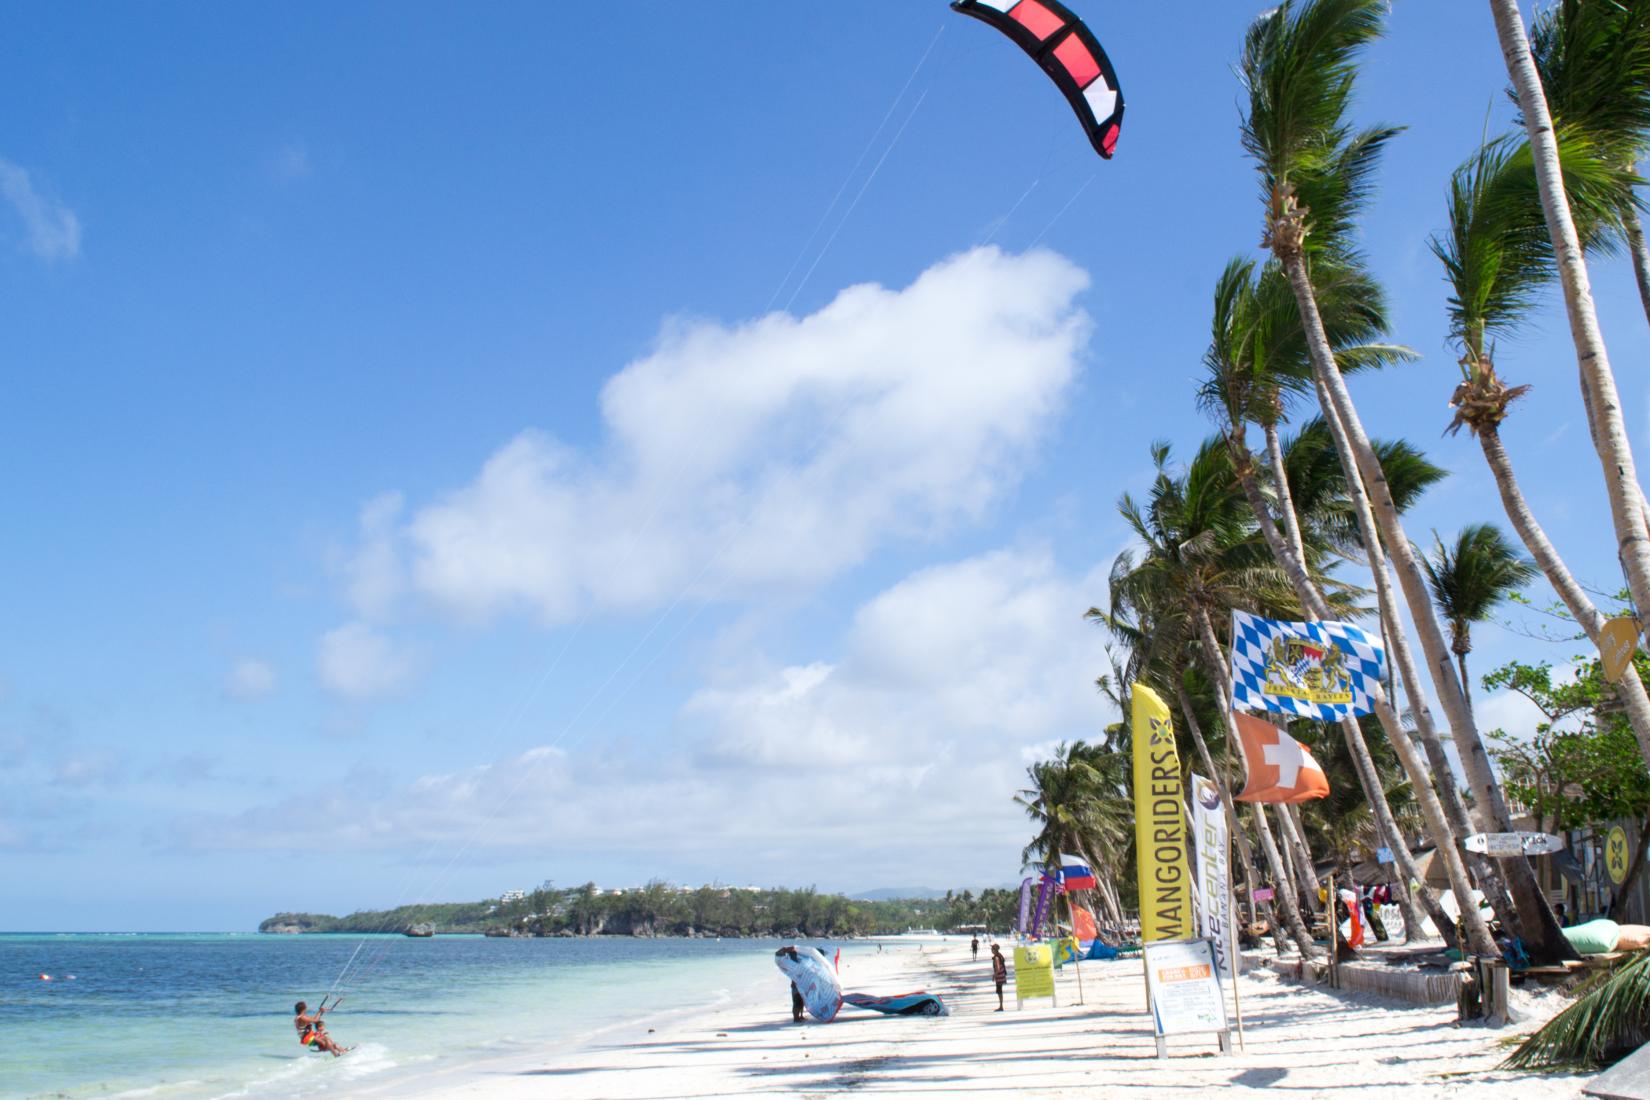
(1281, 769)
(1310, 670)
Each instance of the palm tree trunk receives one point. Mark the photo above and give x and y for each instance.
(1598, 382)
(1194, 731)
(1531, 917)
(1434, 808)
(1218, 676)
(1631, 689)
(1300, 857)
(1370, 779)
(1286, 498)
(1641, 255)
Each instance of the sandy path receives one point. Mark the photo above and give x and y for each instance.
(1299, 1040)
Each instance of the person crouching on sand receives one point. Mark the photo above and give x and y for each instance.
(999, 972)
(797, 1004)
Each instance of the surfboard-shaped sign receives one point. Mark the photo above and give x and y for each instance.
(1507, 845)
(1618, 640)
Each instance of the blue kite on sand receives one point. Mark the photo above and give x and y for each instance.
(816, 979)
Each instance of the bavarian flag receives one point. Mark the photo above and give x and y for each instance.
(1322, 671)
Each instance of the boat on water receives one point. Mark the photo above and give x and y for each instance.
(420, 931)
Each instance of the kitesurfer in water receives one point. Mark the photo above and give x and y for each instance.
(312, 1032)
(999, 972)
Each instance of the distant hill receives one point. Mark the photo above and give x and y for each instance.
(899, 893)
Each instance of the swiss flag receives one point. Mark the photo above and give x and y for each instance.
(1281, 769)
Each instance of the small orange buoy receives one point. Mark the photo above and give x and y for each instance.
(45, 977)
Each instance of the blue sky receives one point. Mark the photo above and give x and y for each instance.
(447, 451)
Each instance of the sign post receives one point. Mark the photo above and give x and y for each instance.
(1034, 974)
(1185, 992)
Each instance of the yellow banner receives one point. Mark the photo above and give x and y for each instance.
(1159, 823)
(1033, 972)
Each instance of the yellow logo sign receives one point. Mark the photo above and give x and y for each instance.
(1616, 855)
(1617, 643)
(1298, 668)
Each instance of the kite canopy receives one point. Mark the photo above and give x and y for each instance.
(1069, 53)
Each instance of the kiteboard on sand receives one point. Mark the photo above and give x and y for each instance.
(816, 979)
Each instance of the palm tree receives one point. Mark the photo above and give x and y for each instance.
(1497, 256)
(1078, 805)
(1471, 579)
(1198, 554)
(1598, 382)
(1257, 355)
(1299, 65)
(1594, 63)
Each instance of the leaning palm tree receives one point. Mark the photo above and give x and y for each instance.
(1598, 382)
(1594, 61)
(1471, 579)
(1255, 358)
(1199, 554)
(1299, 66)
(1497, 257)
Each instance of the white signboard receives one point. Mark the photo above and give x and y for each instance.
(1507, 845)
(1185, 990)
(1213, 872)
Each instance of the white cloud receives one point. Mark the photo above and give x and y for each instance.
(912, 740)
(774, 453)
(50, 229)
(250, 679)
(358, 663)
(374, 576)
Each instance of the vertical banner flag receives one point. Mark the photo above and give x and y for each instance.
(1024, 925)
(1311, 670)
(1159, 823)
(1214, 883)
(1045, 894)
(1281, 769)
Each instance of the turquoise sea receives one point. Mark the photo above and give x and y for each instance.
(186, 1016)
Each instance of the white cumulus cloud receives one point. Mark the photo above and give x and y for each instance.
(774, 453)
(358, 663)
(912, 739)
(50, 229)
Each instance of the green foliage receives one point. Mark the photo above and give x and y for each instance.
(1610, 1020)
(660, 909)
(1470, 579)
(1583, 765)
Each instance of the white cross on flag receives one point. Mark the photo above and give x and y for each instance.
(1281, 769)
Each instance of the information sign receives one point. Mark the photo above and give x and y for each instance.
(1507, 845)
(1185, 991)
(1033, 973)
(1384, 855)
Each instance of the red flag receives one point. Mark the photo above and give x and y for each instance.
(1082, 924)
(1281, 769)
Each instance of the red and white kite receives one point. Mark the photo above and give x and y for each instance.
(1281, 769)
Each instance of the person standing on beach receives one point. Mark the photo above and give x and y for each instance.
(999, 972)
(974, 946)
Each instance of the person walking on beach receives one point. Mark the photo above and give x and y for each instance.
(999, 972)
(797, 1004)
(974, 946)
(312, 1032)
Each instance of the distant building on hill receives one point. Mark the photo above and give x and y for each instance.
(512, 895)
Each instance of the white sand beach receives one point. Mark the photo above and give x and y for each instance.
(1306, 1041)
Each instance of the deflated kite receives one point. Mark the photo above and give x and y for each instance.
(1069, 53)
